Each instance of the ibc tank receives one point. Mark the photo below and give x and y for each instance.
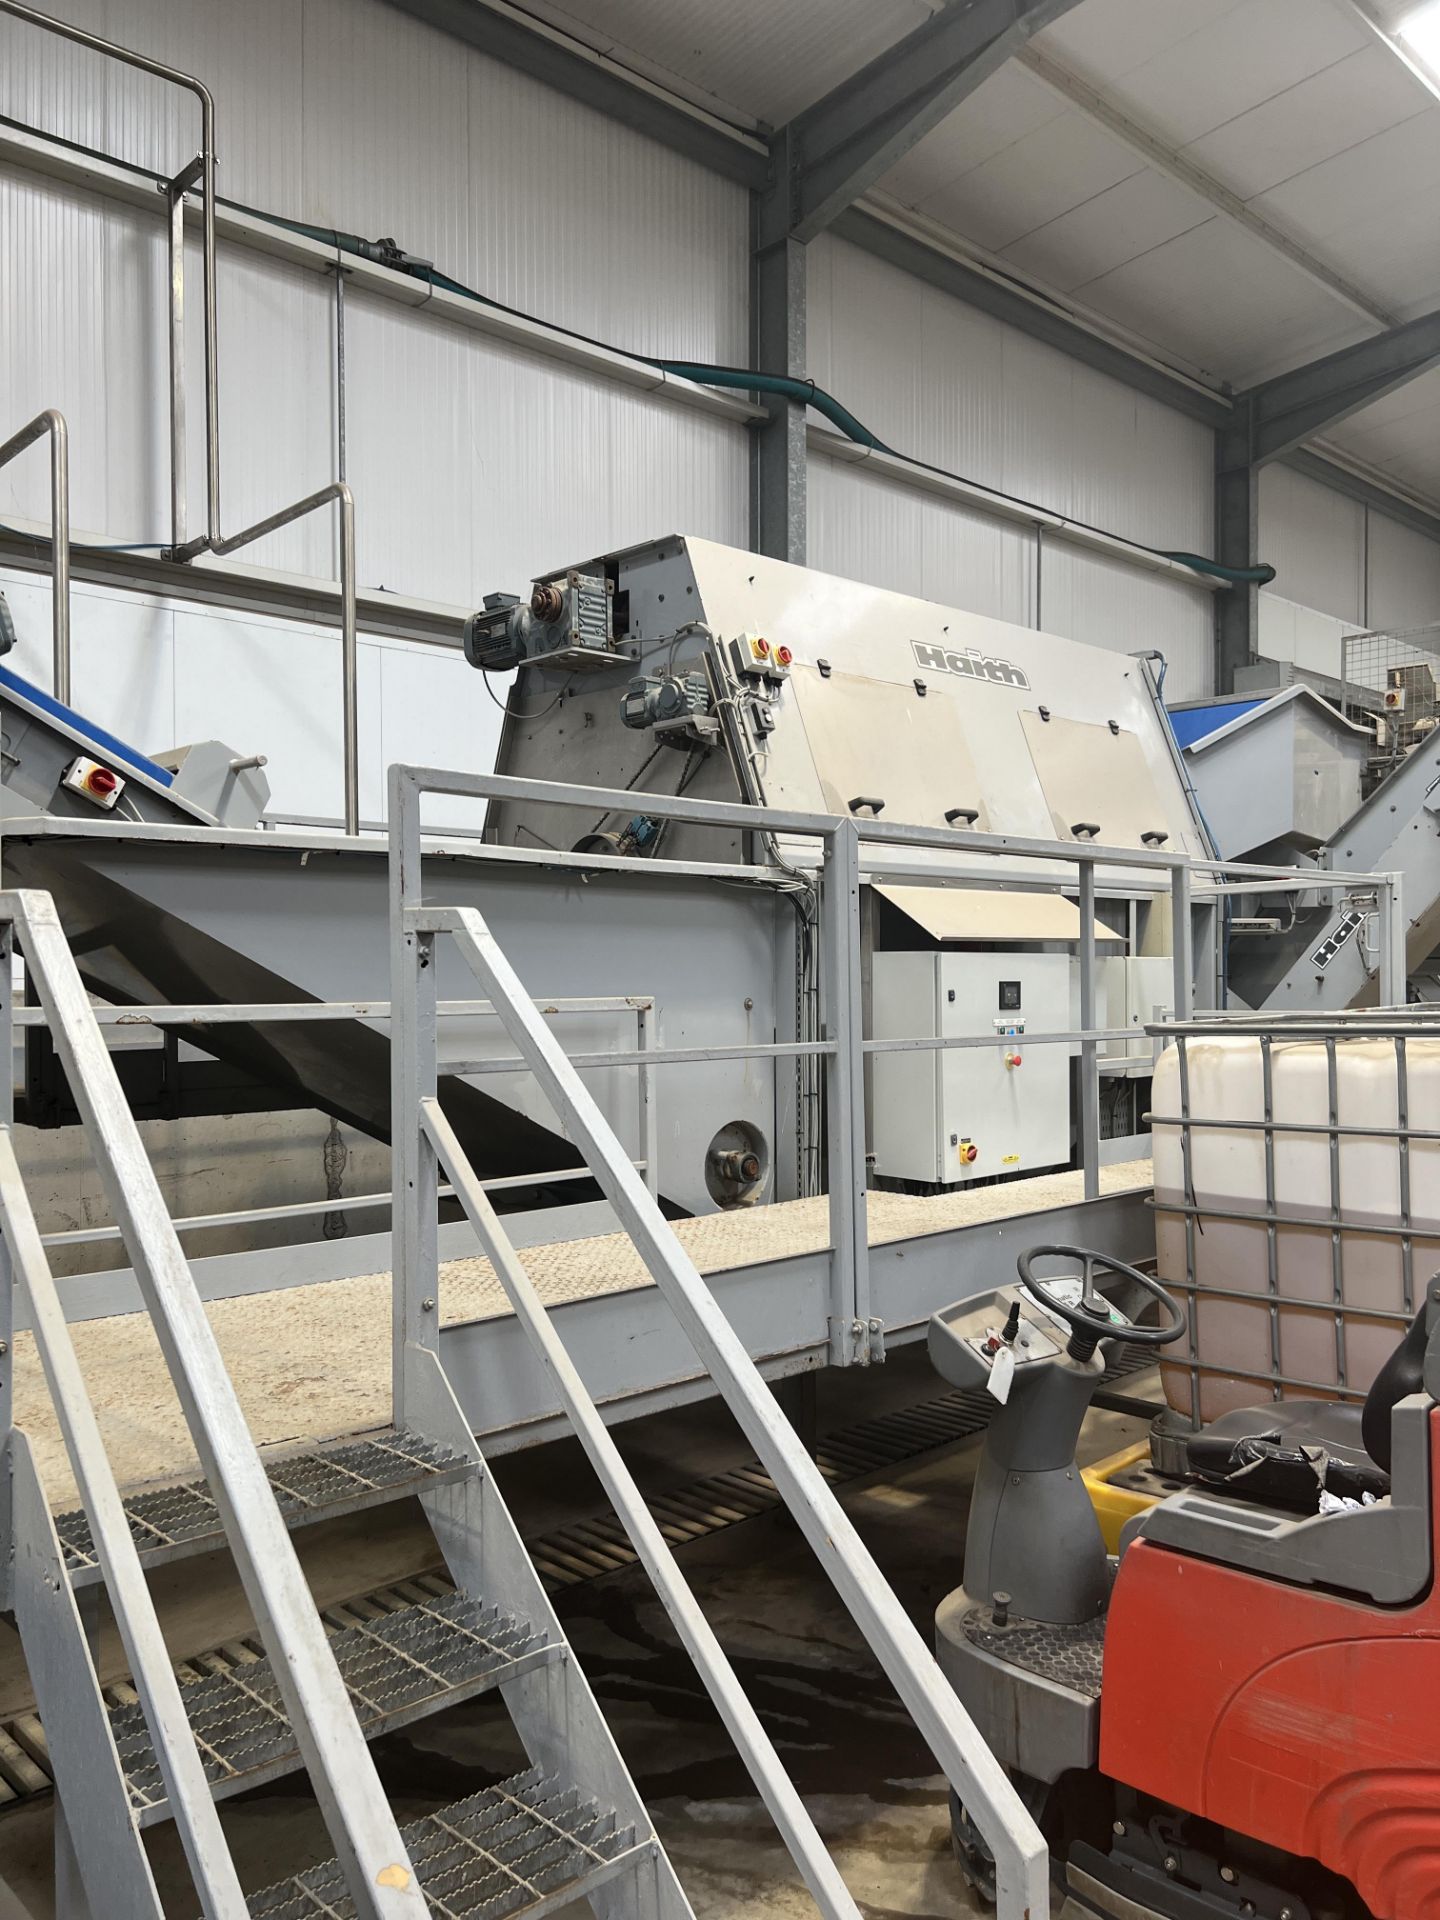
(1354, 1228)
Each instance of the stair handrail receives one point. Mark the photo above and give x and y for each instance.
(1022, 1878)
(775, 1786)
(187, 1790)
(378, 1873)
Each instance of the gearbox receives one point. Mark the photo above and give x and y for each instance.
(677, 708)
(567, 622)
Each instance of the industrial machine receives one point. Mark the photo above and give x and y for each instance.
(1238, 1723)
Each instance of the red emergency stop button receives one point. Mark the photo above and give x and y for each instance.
(1012, 1059)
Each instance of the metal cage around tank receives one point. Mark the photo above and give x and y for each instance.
(1400, 1027)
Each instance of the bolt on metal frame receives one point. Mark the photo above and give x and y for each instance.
(52, 423)
(1397, 1026)
(352, 1801)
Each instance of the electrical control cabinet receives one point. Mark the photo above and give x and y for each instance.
(945, 1117)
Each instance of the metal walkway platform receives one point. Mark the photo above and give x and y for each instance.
(314, 1361)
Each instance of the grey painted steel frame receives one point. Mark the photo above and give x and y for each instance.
(635, 1360)
(342, 1772)
(1021, 1871)
(1022, 1868)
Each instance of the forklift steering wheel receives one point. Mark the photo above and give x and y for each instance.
(1089, 1322)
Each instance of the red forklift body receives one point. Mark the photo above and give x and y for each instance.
(1304, 1719)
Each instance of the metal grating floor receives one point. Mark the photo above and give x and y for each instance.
(168, 1522)
(518, 1848)
(436, 1648)
(591, 1547)
(1072, 1657)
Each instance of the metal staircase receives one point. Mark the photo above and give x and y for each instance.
(311, 1691)
(571, 1826)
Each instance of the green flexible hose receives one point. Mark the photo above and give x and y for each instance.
(742, 379)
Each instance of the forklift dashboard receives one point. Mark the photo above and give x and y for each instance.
(967, 1340)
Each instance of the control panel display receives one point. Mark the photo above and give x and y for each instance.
(1009, 996)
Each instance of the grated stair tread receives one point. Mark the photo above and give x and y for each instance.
(437, 1647)
(524, 1846)
(167, 1523)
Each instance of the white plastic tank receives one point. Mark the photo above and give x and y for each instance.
(1240, 1347)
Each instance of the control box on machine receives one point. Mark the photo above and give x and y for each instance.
(945, 1116)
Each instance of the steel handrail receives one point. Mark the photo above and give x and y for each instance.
(371, 1854)
(338, 492)
(186, 1787)
(53, 423)
(776, 1789)
(1022, 1878)
(160, 71)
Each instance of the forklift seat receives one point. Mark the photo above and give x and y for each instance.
(1354, 1436)
(1383, 1552)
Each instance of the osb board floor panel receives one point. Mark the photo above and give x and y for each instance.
(311, 1362)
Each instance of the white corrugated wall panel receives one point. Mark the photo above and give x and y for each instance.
(1404, 575)
(1085, 596)
(1315, 540)
(586, 223)
(473, 465)
(866, 528)
(946, 384)
(950, 386)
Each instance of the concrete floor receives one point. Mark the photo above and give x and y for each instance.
(866, 1776)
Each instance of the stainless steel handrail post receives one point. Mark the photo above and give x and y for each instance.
(349, 640)
(1392, 969)
(53, 423)
(647, 1034)
(157, 68)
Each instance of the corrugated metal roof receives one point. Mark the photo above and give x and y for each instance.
(1293, 107)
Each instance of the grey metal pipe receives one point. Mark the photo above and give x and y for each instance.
(53, 423)
(349, 641)
(176, 77)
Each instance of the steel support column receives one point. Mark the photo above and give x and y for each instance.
(1237, 535)
(778, 470)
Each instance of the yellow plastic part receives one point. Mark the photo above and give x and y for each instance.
(1115, 1505)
